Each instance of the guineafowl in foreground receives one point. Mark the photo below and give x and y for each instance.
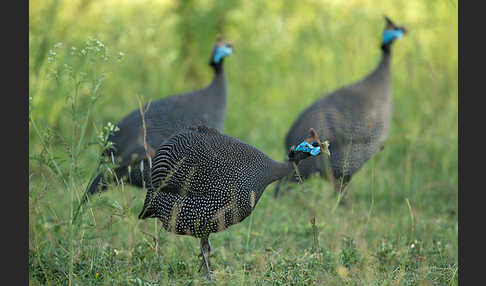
(355, 118)
(203, 181)
(163, 118)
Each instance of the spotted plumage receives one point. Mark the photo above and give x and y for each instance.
(203, 181)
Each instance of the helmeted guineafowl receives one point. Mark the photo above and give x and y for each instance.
(163, 118)
(203, 181)
(355, 118)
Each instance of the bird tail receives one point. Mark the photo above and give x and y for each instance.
(147, 212)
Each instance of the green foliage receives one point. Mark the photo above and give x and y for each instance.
(349, 254)
(90, 62)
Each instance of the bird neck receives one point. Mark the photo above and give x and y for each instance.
(218, 68)
(281, 170)
(385, 59)
(382, 71)
(386, 48)
(219, 80)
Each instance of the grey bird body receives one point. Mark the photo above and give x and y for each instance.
(166, 116)
(356, 120)
(134, 145)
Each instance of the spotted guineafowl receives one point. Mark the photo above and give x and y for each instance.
(163, 118)
(203, 181)
(355, 118)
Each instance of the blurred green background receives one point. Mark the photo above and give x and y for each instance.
(286, 55)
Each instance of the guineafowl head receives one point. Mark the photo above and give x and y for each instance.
(311, 146)
(220, 51)
(391, 33)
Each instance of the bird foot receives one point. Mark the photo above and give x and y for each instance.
(206, 268)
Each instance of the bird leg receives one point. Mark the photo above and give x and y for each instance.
(341, 185)
(342, 190)
(205, 251)
(277, 188)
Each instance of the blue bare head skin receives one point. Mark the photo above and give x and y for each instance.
(309, 148)
(392, 34)
(221, 52)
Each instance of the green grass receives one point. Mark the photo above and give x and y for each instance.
(399, 226)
